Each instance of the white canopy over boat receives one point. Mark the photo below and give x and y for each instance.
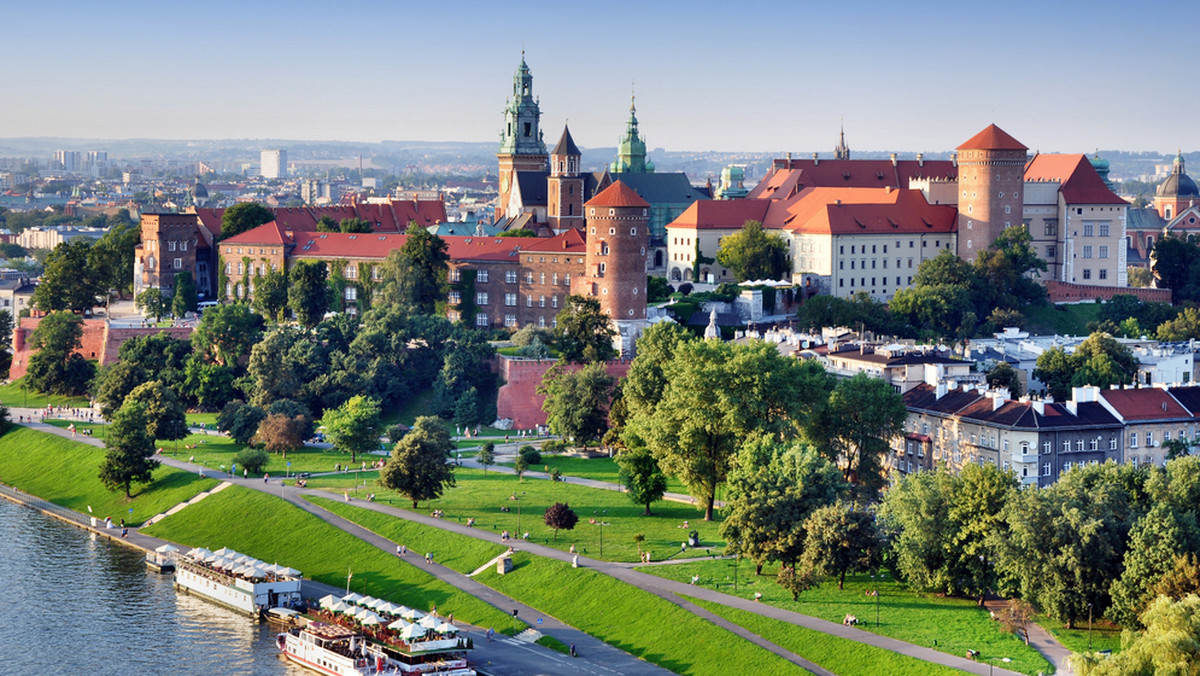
(389, 608)
(166, 549)
(288, 572)
(370, 618)
(429, 622)
(411, 614)
(413, 631)
(446, 628)
(225, 551)
(327, 601)
(340, 607)
(351, 597)
(399, 625)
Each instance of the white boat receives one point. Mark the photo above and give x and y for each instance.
(337, 650)
(244, 587)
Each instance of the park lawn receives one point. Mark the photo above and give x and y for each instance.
(194, 419)
(1067, 320)
(482, 496)
(270, 529)
(839, 655)
(633, 620)
(66, 473)
(12, 395)
(951, 625)
(597, 469)
(464, 555)
(1105, 635)
(216, 451)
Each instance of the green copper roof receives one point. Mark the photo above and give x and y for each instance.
(631, 151)
(522, 134)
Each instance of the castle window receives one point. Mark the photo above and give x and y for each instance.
(529, 300)
(541, 278)
(612, 231)
(178, 263)
(481, 298)
(1103, 273)
(1103, 251)
(1089, 229)
(483, 276)
(351, 293)
(554, 277)
(171, 246)
(529, 277)
(1087, 274)
(554, 304)
(570, 209)
(633, 231)
(456, 275)
(567, 279)
(351, 272)
(1104, 229)
(603, 268)
(510, 299)
(510, 276)
(455, 297)
(510, 320)
(541, 301)
(612, 212)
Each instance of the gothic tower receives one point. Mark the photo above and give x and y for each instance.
(842, 151)
(617, 234)
(991, 177)
(564, 188)
(631, 151)
(521, 145)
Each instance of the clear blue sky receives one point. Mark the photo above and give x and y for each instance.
(726, 76)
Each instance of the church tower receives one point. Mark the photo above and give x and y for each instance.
(564, 188)
(617, 235)
(991, 177)
(521, 145)
(842, 151)
(631, 151)
(1176, 193)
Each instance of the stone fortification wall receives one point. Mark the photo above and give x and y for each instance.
(518, 399)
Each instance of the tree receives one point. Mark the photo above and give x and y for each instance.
(327, 224)
(577, 401)
(645, 382)
(414, 276)
(1182, 579)
(1139, 277)
(354, 225)
(280, 433)
(1155, 540)
(1015, 617)
(271, 295)
(210, 386)
(658, 289)
(1167, 646)
(487, 455)
(57, 368)
(420, 466)
(113, 383)
(560, 516)
(226, 333)
(242, 217)
(1004, 375)
(252, 459)
(752, 253)
(863, 415)
(1184, 327)
(152, 303)
(308, 292)
(240, 420)
(1099, 360)
(584, 334)
(184, 300)
(354, 427)
(165, 417)
(520, 466)
(518, 232)
(644, 482)
(840, 540)
(128, 458)
(69, 282)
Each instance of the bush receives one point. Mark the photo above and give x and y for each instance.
(531, 455)
(530, 333)
(396, 432)
(554, 446)
(685, 288)
(253, 459)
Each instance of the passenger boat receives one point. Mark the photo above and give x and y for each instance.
(238, 581)
(162, 560)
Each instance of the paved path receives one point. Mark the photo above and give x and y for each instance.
(1040, 639)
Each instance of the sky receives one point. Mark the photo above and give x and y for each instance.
(727, 76)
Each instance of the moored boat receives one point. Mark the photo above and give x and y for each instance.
(238, 581)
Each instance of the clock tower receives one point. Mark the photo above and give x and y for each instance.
(521, 145)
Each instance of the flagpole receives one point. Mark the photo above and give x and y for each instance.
(349, 574)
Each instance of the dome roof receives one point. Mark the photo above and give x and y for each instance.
(199, 190)
(1178, 184)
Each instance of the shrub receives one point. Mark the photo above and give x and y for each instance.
(532, 455)
(253, 459)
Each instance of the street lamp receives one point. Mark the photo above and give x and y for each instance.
(1089, 627)
(992, 663)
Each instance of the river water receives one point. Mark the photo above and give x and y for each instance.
(71, 603)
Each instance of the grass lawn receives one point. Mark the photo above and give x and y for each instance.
(597, 469)
(13, 395)
(215, 451)
(272, 530)
(1061, 319)
(483, 496)
(66, 472)
(839, 655)
(1105, 635)
(202, 419)
(956, 625)
(465, 555)
(633, 620)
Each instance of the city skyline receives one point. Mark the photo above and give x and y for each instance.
(774, 79)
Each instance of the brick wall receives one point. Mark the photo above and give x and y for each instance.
(518, 399)
(1066, 292)
(99, 343)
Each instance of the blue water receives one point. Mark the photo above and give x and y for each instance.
(71, 603)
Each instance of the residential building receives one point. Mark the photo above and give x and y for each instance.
(273, 163)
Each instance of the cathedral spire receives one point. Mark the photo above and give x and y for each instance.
(631, 151)
(842, 151)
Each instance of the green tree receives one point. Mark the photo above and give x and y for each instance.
(840, 539)
(1099, 360)
(57, 368)
(584, 334)
(644, 482)
(518, 232)
(242, 217)
(210, 386)
(1156, 539)
(113, 383)
(165, 417)
(560, 516)
(657, 289)
(753, 253)
(308, 292)
(130, 450)
(1140, 277)
(577, 401)
(113, 254)
(1184, 327)
(1167, 646)
(152, 303)
(354, 427)
(271, 295)
(916, 513)
(327, 224)
(1004, 375)
(226, 334)
(280, 433)
(646, 380)
(240, 420)
(184, 300)
(863, 415)
(414, 276)
(420, 466)
(520, 466)
(252, 459)
(1182, 579)
(354, 225)
(486, 455)
(68, 281)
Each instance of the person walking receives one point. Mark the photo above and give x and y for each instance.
(573, 653)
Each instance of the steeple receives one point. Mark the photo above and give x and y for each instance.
(522, 115)
(842, 151)
(564, 159)
(631, 151)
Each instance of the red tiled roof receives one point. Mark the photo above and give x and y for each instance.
(801, 174)
(1080, 182)
(617, 195)
(721, 214)
(267, 233)
(392, 216)
(868, 211)
(1144, 404)
(570, 241)
(992, 138)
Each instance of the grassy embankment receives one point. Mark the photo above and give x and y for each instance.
(13, 396)
(951, 625)
(481, 497)
(66, 473)
(1064, 320)
(266, 527)
(597, 469)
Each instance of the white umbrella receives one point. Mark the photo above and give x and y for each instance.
(362, 613)
(257, 572)
(225, 551)
(399, 625)
(351, 598)
(213, 557)
(371, 618)
(412, 631)
(410, 614)
(389, 608)
(327, 601)
(446, 628)
(288, 572)
(340, 607)
(429, 622)
(368, 602)
(400, 610)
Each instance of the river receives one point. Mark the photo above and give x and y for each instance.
(71, 603)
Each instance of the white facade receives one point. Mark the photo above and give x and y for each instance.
(274, 164)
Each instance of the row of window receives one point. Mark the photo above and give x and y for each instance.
(249, 250)
(863, 282)
(863, 264)
(510, 320)
(510, 276)
(937, 243)
(1103, 274)
(510, 299)
(1087, 251)
(262, 268)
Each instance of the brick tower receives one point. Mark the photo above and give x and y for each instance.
(991, 177)
(617, 222)
(521, 145)
(564, 188)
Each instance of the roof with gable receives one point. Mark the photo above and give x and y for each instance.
(792, 176)
(1079, 181)
(721, 214)
(924, 397)
(867, 211)
(664, 188)
(571, 241)
(533, 187)
(1148, 403)
(566, 144)
(992, 138)
(619, 194)
(390, 216)
(1189, 397)
(267, 233)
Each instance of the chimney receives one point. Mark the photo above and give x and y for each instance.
(893, 159)
(789, 159)
(816, 160)
(997, 401)
(940, 391)
(920, 159)
(1039, 406)
(1073, 406)
(565, 245)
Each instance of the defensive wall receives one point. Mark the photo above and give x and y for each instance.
(518, 399)
(1066, 292)
(100, 342)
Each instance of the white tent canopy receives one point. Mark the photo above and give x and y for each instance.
(413, 631)
(340, 607)
(446, 628)
(429, 622)
(370, 618)
(410, 614)
(399, 625)
(351, 597)
(327, 601)
(166, 549)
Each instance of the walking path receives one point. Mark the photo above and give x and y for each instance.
(1042, 640)
(668, 589)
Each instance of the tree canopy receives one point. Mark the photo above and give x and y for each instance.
(242, 217)
(420, 466)
(128, 458)
(584, 334)
(354, 426)
(57, 368)
(70, 281)
(577, 401)
(753, 253)
(414, 277)
(1099, 360)
(308, 292)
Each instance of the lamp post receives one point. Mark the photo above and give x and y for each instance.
(875, 592)
(992, 663)
(1089, 627)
